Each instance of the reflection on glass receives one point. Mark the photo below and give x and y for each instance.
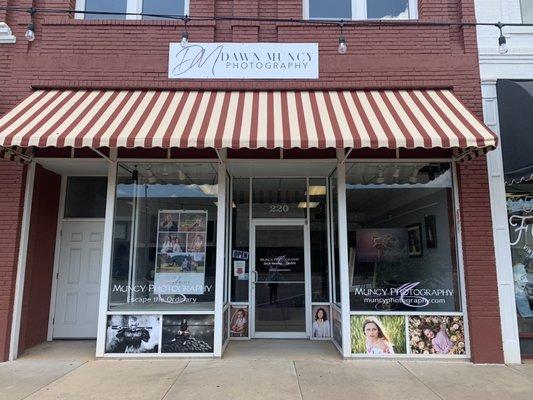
(330, 9)
(335, 238)
(279, 198)
(318, 226)
(164, 237)
(280, 286)
(115, 6)
(401, 238)
(387, 9)
(85, 197)
(520, 214)
(240, 263)
(163, 7)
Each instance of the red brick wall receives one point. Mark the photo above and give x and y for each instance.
(40, 261)
(480, 264)
(122, 54)
(11, 202)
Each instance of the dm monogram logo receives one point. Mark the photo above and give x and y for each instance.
(243, 61)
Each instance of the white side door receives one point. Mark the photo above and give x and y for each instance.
(78, 280)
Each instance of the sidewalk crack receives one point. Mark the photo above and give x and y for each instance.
(175, 380)
(298, 379)
(56, 379)
(421, 381)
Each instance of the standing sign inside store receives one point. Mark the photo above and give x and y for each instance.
(180, 261)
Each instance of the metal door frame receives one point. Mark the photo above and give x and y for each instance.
(300, 222)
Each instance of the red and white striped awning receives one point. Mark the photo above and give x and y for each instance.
(244, 119)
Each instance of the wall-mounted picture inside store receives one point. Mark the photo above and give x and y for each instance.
(188, 334)
(378, 335)
(193, 222)
(239, 321)
(171, 243)
(381, 245)
(414, 237)
(196, 242)
(337, 325)
(321, 322)
(132, 334)
(431, 231)
(168, 221)
(436, 335)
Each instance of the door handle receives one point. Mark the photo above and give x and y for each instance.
(255, 277)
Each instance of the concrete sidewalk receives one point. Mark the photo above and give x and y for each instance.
(266, 370)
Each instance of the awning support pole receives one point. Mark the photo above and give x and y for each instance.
(220, 159)
(346, 155)
(101, 154)
(17, 154)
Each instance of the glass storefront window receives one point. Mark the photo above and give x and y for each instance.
(401, 238)
(318, 226)
(164, 237)
(240, 260)
(85, 197)
(335, 239)
(279, 198)
(520, 213)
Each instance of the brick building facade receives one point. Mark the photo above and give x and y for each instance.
(71, 53)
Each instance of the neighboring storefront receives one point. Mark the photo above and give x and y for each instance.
(506, 75)
(252, 191)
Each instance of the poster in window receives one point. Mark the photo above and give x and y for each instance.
(239, 321)
(433, 334)
(132, 334)
(321, 328)
(378, 335)
(337, 325)
(181, 250)
(188, 334)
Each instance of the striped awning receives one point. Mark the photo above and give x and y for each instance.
(244, 119)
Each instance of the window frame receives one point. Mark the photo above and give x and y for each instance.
(360, 12)
(132, 6)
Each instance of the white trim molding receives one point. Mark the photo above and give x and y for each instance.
(6, 36)
(21, 265)
(502, 245)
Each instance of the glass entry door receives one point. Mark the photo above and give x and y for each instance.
(280, 273)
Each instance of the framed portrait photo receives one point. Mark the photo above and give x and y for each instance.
(414, 235)
(431, 231)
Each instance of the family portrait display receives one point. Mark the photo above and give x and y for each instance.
(321, 322)
(181, 250)
(188, 334)
(436, 335)
(132, 334)
(239, 321)
(378, 335)
(180, 262)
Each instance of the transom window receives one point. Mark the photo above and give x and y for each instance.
(361, 9)
(527, 11)
(157, 8)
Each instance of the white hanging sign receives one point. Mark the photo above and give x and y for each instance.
(243, 61)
